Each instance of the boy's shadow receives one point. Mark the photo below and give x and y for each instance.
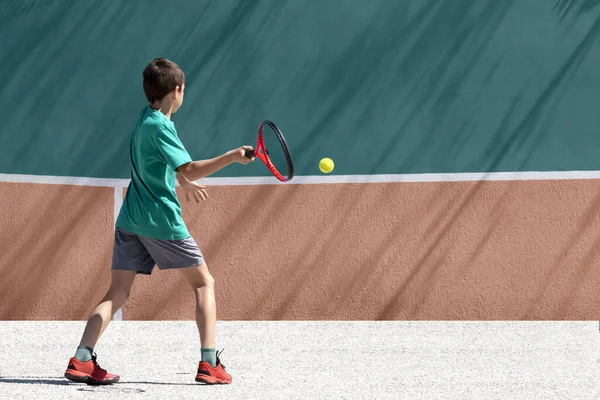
(42, 380)
(50, 380)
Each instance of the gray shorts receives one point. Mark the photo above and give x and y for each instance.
(137, 253)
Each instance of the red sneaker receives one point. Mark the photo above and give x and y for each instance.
(211, 375)
(89, 372)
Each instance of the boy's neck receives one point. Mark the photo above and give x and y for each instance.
(166, 110)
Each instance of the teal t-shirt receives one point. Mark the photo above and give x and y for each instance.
(151, 207)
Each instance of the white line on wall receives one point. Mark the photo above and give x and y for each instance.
(118, 201)
(323, 179)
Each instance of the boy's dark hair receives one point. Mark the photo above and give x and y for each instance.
(161, 76)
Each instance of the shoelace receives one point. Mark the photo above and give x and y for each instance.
(218, 359)
(96, 363)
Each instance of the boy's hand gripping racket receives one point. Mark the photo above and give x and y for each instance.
(272, 149)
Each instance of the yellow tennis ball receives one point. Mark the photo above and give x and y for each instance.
(326, 165)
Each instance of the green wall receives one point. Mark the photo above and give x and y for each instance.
(380, 86)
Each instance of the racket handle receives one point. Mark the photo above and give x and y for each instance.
(249, 153)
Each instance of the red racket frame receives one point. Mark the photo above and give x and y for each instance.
(261, 152)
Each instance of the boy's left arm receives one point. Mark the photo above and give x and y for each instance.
(191, 188)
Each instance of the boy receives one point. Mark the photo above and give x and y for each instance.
(150, 230)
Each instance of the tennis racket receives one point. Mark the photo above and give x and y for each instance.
(272, 149)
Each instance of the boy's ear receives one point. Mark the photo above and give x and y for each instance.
(175, 91)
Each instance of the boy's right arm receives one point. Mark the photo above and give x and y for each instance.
(172, 151)
(196, 170)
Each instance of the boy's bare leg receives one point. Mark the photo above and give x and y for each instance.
(203, 285)
(120, 286)
(83, 367)
(210, 369)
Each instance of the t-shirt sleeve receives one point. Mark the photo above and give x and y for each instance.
(170, 148)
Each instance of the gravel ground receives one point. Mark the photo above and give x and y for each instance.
(313, 360)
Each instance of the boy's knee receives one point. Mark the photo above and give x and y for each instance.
(119, 293)
(207, 281)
